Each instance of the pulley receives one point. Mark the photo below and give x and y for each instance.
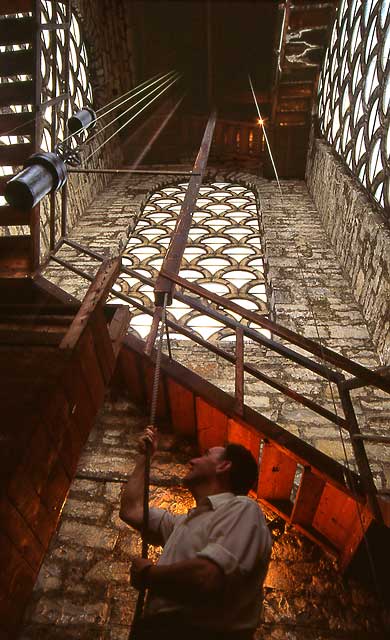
(44, 172)
(82, 120)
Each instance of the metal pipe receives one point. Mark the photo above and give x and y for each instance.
(146, 171)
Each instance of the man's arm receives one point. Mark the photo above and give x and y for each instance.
(131, 509)
(183, 581)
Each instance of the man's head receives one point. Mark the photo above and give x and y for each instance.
(231, 468)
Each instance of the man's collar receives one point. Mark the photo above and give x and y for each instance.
(218, 499)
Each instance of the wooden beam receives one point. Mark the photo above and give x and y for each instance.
(173, 258)
(13, 63)
(16, 31)
(118, 327)
(95, 297)
(15, 154)
(20, 124)
(16, 6)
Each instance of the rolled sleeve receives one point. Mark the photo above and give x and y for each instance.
(220, 556)
(239, 538)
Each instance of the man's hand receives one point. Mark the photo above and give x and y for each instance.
(149, 438)
(138, 573)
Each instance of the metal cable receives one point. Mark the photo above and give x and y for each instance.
(130, 119)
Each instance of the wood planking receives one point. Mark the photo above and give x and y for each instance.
(17, 31)
(16, 6)
(182, 404)
(16, 529)
(241, 433)
(212, 425)
(308, 497)
(334, 515)
(118, 327)
(358, 527)
(102, 344)
(15, 259)
(9, 216)
(130, 367)
(14, 63)
(276, 474)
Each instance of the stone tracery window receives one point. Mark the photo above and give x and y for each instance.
(79, 86)
(354, 93)
(223, 255)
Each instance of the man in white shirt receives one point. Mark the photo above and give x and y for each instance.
(207, 584)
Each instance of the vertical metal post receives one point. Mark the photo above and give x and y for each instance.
(35, 222)
(239, 379)
(53, 124)
(64, 191)
(360, 452)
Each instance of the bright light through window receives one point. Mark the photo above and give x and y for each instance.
(217, 256)
(354, 93)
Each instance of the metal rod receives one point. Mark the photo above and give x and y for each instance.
(239, 371)
(178, 242)
(53, 123)
(360, 453)
(371, 377)
(146, 171)
(371, 438)
(59, 98)
(64, 191)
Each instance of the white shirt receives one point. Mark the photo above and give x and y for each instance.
(230, 531)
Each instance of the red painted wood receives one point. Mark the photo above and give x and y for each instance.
(307, 499)
(335, 516)
(240, 433)
(277, 472)
(212, 425)
(182, 409)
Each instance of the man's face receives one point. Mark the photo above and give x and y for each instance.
(205, 467)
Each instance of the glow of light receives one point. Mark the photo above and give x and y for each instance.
(260, 122)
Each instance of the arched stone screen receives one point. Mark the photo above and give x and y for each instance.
(354, 93)
(80, 89)
(224, 254)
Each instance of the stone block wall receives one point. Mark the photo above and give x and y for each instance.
(310, 295)
(359, 235)
(83, 589)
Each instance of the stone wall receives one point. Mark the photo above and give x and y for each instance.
(310, 296)
(83, 589)
(360, 237)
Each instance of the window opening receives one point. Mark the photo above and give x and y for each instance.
(221, 262)
(80, 88)
(354, 91)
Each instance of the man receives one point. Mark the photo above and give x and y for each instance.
(208, 581)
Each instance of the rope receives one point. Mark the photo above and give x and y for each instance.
(145, 524)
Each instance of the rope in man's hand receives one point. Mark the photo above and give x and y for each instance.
(148, 442)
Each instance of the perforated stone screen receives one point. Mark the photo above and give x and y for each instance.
(79, 86)
(224, 254)
(354, 93)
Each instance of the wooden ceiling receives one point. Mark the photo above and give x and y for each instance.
(217, 44)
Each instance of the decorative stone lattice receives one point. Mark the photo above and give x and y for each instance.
(354, 93)
(223, 254)
(80, 89)
(79, 86)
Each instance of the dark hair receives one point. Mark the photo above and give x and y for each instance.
(243, 472)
